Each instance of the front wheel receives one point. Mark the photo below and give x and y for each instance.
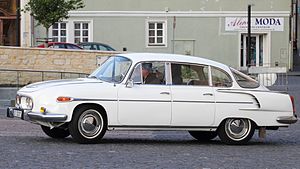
(203, 135)
(88, 125)
(56, 132)
(236, 131)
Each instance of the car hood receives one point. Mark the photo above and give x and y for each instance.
(53, 83)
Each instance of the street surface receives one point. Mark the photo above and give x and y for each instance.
(24, 145)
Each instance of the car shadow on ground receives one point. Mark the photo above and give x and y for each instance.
(154, 141)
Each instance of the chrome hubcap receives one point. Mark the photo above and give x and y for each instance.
(237, 129)
(90, 124)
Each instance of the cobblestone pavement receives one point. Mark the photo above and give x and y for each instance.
(23, 145)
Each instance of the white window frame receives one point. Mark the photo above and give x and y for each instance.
(266, 48)
(59, 31)
(81, 30)
(164, 36)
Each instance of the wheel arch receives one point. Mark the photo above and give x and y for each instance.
(236, 117)
(92, 105)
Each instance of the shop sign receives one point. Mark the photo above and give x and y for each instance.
(241, 24)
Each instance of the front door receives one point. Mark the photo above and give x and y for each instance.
(258, 55)
(147, 101)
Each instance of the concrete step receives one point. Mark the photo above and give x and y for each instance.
(2, 113)
(8, 93)
(4, 104)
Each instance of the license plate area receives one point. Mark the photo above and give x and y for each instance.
(18, 113)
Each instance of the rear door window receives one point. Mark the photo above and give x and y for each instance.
(188, 74)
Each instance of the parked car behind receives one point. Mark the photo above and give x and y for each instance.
(60, 45)
(96, 46)
(142, 91)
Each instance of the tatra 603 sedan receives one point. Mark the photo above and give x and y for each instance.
(143, 91)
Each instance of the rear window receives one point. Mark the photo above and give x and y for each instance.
(243, 80)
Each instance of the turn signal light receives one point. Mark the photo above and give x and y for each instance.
(64, 99)
(42, 109)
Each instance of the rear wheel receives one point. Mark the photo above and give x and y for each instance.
(236, 131)
(56, 132)
(88, 125)
(203, 135)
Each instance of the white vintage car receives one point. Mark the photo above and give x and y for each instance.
(143, 91)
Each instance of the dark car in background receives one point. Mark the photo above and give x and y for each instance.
(60, 45)
(96, 46)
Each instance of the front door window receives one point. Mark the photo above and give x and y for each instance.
(149, 73)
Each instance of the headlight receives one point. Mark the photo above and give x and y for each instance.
(28, 103)
(24, 102)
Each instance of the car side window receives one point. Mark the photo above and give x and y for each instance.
(220, 78)
(102, 47)
(58, 46)
(186, 74)
(149, 73)
(70, 46)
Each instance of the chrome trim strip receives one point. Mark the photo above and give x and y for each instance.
(165, 101)
(160, 101)
(83, 99)
(234, 102)
(192, 101)
(164, 128)
(245, 90)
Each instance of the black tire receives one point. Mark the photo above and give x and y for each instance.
(203, 135)
(57, 133)
(88, 125)
(236, 131)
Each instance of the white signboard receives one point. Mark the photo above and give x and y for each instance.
(241, 24)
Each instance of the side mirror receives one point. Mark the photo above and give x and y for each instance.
(129, 83)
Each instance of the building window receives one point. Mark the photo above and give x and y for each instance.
(81, 32)
(59, 32)
(156, 33)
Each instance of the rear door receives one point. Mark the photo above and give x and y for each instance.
(193, 101)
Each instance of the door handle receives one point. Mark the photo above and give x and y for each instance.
(207, 94)
(167, 93)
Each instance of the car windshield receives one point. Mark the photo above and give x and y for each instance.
(113, 69)
(244, 80)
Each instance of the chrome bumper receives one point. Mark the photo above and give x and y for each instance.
(287, 119)
(28, 115)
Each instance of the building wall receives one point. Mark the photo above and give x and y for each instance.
(187, 5)
(199, 26)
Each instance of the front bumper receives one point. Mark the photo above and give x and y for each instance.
(28, 115)
(287, 119)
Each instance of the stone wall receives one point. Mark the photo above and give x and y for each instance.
(80, 61)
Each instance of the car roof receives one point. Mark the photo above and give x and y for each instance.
(58, 43)
(89, 43)
(139, 57)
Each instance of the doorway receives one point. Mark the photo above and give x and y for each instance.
(258, 46)
(8, 24)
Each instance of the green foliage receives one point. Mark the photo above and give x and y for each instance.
(47, 12)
